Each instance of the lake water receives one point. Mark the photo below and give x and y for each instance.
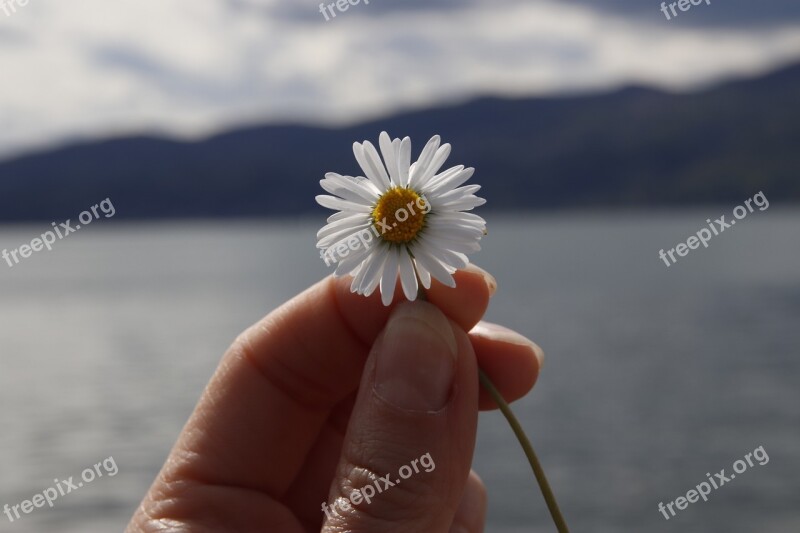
(654, 376)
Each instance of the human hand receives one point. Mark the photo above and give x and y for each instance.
(332, 392)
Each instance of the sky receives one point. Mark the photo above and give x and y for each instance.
(86, 69)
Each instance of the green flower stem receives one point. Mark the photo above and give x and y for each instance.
(544, 485)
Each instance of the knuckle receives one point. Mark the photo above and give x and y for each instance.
(399, 500)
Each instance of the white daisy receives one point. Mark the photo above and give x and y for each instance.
(413, 215)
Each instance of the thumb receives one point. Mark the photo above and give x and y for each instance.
(406, 457)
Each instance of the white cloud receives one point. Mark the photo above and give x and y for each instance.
(190, 67)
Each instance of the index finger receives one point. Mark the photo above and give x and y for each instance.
(275, 388)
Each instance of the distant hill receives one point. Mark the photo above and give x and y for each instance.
(632, 147)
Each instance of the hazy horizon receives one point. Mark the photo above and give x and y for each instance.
(139, 67)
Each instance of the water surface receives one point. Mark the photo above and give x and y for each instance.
(654, 375)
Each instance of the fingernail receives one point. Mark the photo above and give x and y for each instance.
(503, 334)
(491, 283)
(416, 358)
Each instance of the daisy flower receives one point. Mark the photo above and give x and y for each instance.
(403, 218)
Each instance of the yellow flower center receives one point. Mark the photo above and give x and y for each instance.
(399, 215)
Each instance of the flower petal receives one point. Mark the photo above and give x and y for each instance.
(353, 190)
(450, 182)
(371, 164)
(332, 202)
(462, 204)
(373, 274)
(432, 265)
(454, 230)
(456, 245)
(352, 260)
(436, 163)
(424, 160)
(404, 161)
(362, 270)
(445, 256)
(352, 221)
(389, 276)
(434, 182)
(461, 216)
(341, 234)
(389, 155)
(455, 194)
(408, 278)
(424, 275)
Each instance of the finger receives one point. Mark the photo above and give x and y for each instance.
(511, 361)
(406, 457)
(471, 514)
(266, 405)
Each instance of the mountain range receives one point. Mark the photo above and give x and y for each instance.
(633, 147)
